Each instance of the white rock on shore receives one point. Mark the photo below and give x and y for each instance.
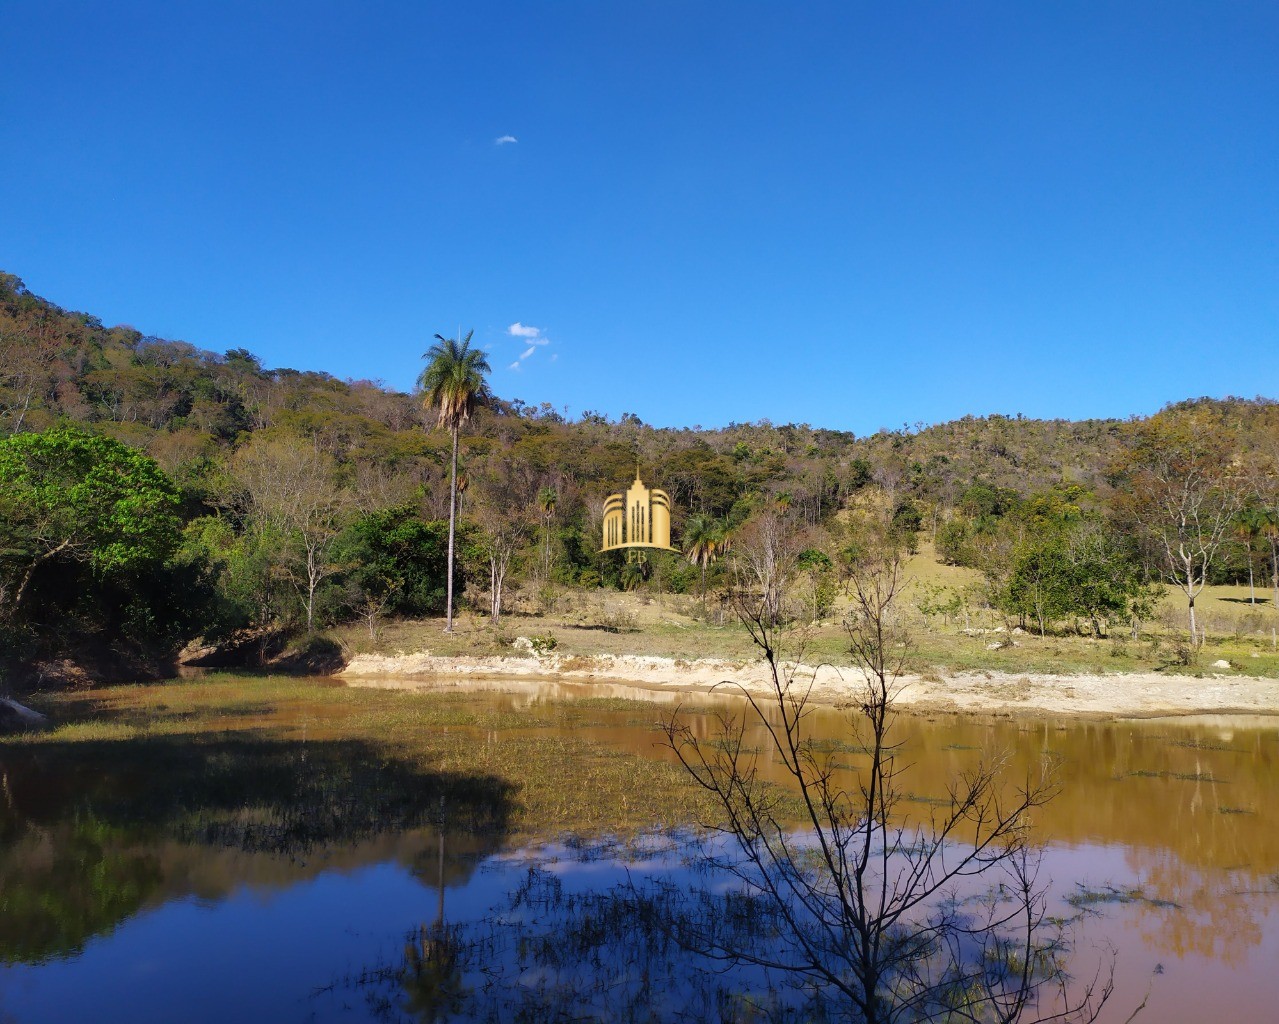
(15, 717)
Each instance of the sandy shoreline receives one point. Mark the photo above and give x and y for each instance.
(1128, 695)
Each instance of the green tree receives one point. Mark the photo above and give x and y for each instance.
(453, 383)
(635, 571)
(1064, 569)
(1039, 583)
(1107, 579)
(73, 496)
(394, 563)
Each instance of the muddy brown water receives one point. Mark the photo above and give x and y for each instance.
(117, 902)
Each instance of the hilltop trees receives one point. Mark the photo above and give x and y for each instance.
(453, 383)
(976, 482)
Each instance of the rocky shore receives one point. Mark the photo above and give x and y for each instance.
(1121, 695)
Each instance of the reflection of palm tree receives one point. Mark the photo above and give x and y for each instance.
(453, 382)
(432, 974)
(432, 959)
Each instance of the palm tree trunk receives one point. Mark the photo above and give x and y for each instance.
(448, 621)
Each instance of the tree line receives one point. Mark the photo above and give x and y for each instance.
(154, 492)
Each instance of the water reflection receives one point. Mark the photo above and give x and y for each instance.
(336, 880)
(93, 832)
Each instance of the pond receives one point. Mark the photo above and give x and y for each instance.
(283, 868)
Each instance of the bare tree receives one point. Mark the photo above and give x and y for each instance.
(28, 359)
(375, 486)
(1182, 491)
(505, 514)
(897, 918)
(293, 493)
(765, 553)
(890, 475)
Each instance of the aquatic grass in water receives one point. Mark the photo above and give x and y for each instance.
(1146, 773)
(1202, 744)
(1085, 898)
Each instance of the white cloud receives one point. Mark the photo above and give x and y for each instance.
(503, 140)
(531, 337)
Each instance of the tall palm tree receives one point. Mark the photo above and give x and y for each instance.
(453, 383)
(701, 539)
(547, 500)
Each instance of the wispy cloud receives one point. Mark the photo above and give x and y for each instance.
(531, 337)
(503, 140)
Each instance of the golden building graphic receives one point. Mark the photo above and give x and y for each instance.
(640, 518)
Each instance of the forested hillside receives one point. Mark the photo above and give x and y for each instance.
(240, 497)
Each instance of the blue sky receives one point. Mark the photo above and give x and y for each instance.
(853, 215)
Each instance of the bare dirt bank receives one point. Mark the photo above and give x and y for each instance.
(1129, 695)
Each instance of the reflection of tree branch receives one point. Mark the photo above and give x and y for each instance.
(867, 900)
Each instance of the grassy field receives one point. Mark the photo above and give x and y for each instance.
(972, 638)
